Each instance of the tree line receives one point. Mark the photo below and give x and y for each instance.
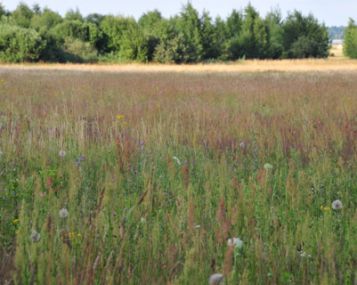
(35, 34)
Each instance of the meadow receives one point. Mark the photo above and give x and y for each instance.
(146, 177)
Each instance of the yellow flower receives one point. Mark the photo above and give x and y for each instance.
(15, 222)
(120, 117)
(325, 208)
(73, 236)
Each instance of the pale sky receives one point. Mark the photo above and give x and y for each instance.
(331, 12)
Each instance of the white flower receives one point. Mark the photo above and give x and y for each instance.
(177, 160)
(62, 153)
(242, 144)
(303, 254)
(268, 166)
(216, 279)
(35, 236)
(337, 205)
(142, 220)
(197, 227)
(63, 213)
(236, 241)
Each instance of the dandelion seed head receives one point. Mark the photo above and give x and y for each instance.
(62, 153)
(216, 279)
(337, 205)
(35, 236)
(236, 242)
(268, 166)
(63, 213)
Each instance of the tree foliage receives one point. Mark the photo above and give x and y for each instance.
(304, 37)
(18, 44)
(350, 41)
(185, 38)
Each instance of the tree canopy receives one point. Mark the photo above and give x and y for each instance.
(33, 34)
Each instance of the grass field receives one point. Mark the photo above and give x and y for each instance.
(141, 178)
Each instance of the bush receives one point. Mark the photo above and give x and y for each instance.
(19, 44)
(76, 50)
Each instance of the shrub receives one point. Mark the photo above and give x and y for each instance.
(19, 44)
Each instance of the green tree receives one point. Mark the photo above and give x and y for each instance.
(350, 40)
(45, 21)
(253, 40)
(189, 26)
(125, 39)
(210, 43)
(71, 29)
(22, 15)
(19, 44)
(152, 26)
(273, 22)
(74, 15)
(304, 37)
(2, 10)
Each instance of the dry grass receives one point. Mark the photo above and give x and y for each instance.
(165, 184)
(333, 64)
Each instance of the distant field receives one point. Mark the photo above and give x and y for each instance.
(137, 177)
(337, 63)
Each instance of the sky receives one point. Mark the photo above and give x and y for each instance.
(330, 12)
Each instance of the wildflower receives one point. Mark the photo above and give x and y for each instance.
(242, 145)
(303, 254)
(325, 208)
(236, 242)
(197, 227)
(337, 205)
(35, 236)
(142, 220)
(63, 213)
(62, 153)
(73, 236)
(268, 166)
(120, 117)
(216, 279)
(15, 222)
(177, 160)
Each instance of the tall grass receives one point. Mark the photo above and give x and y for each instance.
(158, 171)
